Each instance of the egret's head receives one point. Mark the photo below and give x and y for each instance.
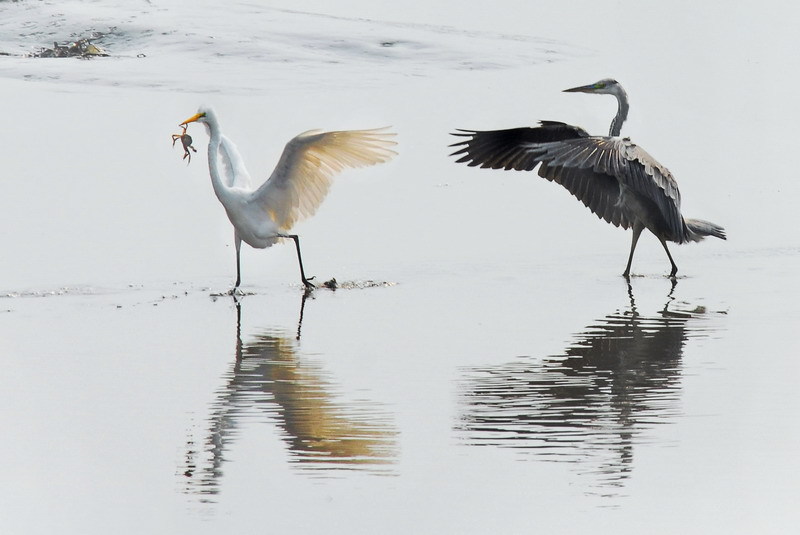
(204, 115)
(606, 86)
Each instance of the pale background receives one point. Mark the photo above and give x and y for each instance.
(116, 358)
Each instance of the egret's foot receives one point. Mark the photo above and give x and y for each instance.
(308, 284)
(233, 292)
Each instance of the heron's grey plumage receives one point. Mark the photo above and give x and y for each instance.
(615, 178)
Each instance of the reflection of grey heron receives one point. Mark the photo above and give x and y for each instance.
(614, 178)
(589, 404)
(271, 377)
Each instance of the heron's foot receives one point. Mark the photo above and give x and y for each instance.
(308, 284)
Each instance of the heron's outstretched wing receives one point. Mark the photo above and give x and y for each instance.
(653, 180)
(304, 172)
(593, 169)
(508, 149)
(588, 168)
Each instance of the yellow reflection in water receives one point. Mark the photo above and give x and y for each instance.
(271, 377)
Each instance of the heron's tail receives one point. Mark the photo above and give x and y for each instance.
(699, 229)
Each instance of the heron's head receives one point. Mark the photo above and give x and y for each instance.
(606, 86)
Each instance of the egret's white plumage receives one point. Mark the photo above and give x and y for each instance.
(297, 186)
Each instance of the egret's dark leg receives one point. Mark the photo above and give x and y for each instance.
(671, 261)
(238, 243)
(637, 231)
(306, 282)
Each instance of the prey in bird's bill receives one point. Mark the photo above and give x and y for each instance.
(186, 141)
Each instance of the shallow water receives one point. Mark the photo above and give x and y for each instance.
(483, 367)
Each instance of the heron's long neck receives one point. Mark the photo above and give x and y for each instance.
(622, 113)
(220, 188)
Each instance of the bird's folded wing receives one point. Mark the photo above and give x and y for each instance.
(309, 162)
(236, 175)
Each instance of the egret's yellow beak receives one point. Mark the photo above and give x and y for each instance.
(193, 118)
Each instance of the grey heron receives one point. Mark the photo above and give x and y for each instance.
(612, 176)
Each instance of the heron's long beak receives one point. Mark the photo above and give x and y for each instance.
(581, 89)
(192, 119)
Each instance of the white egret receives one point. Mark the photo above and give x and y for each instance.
(263, 216)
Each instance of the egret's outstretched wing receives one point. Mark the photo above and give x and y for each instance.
(593, 169)
(303, 175)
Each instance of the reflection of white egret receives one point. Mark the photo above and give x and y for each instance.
(299, 183)
(324, 430)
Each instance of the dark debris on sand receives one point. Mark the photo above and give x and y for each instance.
(78, 48)
(333, 284)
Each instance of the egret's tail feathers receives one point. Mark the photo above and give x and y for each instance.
(699, 229)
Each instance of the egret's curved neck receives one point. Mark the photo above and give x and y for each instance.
(622, 113)
(221, 189)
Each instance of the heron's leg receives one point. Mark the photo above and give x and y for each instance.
(238, 244)
(671, 261)
(637, 231)
(306, 282)
(634, 312)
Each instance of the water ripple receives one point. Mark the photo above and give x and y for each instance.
(191, 46)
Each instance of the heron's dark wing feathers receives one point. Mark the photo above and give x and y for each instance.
(507, 149)
(597, 191)
(600, 159)
(565, 152)
(655, 182)
(594, 169)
